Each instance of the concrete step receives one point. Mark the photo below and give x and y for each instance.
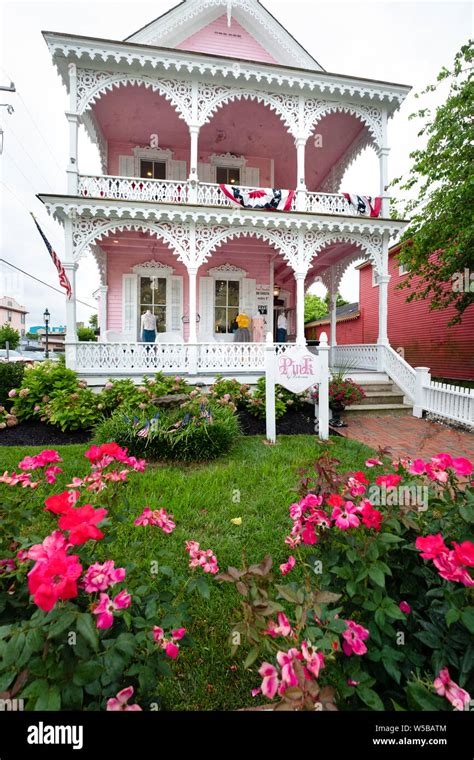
(380, 397)
(377, 410)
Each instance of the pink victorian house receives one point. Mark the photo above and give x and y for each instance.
(223, 144)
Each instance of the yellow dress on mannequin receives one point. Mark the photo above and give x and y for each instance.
(242, 334)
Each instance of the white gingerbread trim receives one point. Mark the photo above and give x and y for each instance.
(227, 272)
(152, 269)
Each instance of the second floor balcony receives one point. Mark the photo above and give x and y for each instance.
(108, 187)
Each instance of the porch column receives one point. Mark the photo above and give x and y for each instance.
(300, 143)
(383, 279)
(103, 312)
(73, 120)
(194, 130)
(192, 273)
(383, 153)
(300, 278)
(333, 315)
(70, 267)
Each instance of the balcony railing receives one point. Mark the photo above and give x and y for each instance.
(202, 194)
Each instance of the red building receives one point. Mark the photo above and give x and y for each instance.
(421, 336)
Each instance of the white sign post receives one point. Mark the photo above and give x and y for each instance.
(297, 370)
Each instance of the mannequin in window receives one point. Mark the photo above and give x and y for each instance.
(258, 328)
(148, 327)
(242, 334)
(282, 328)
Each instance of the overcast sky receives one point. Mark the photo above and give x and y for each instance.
(406, 42)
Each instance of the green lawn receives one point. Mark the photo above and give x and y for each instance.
(203, 501)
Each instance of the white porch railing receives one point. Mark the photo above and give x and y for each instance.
(137, 358)
(357, 356)
(125, 358)
(205, 194)
(133, 189)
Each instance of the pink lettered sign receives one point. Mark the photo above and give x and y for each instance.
(297, 369)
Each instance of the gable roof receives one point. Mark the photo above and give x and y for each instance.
(190, 16)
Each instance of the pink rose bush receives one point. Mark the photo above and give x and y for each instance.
(68, 589)
(367, 550)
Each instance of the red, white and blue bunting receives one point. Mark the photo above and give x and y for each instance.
(268, 199)
(365, 204)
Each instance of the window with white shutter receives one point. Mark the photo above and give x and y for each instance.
(206, 308)
(205, 173)
(126, 166)
(178, 171)
(249, 297)
(130, 306)
(175, 322)
(250, 176)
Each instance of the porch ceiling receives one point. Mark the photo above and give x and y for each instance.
(330, 256)
(131, 114)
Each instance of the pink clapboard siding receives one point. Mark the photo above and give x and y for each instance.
(219, 39)
(252, 255)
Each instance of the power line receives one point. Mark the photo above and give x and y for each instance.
(27, 274)
(61, 169)
(52, 232)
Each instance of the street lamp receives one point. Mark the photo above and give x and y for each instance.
(46, 316)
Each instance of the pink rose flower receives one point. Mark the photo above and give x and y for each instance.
(120, 702)
(445, 687)
(354, 637)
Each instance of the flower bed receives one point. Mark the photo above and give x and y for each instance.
(369, 608)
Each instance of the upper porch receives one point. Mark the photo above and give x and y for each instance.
(172, 125)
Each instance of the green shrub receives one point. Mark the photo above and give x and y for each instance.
(11, 376)
(230, 391)
(284, 400)
(86, 334)
(197, 431)
(41, 382)
(7, 333)
(73, 411)
(118, 392)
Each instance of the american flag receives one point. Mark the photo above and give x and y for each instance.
(63, 278)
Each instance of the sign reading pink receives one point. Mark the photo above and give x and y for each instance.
(297, 369)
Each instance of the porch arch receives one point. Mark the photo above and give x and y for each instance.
(92, 85)
(86, 233)
(370, 116)
(212, 98)
(285, 242)
(371, 245)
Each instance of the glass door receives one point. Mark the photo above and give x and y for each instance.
(153, 297)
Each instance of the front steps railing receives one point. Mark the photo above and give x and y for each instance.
(441, 399)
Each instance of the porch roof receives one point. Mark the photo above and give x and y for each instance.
(108, 53)
(62, 206)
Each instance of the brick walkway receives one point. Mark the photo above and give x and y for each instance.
(410, 436)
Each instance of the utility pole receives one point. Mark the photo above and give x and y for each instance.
(6, 88)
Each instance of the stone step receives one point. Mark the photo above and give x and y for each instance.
(377, 410)
(380, 397)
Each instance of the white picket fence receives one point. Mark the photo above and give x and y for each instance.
(449, 401)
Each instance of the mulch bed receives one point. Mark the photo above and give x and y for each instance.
(38, 434)
(292, 423)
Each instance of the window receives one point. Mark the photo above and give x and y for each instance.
(402, 269)
(9, 316)
(374, 278)
(152, 169)
(226, 306)
(227, 175)
(23, 319)
(153, 298)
